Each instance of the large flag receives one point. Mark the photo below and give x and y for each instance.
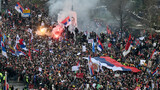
(4, 53)
(127, 47)
(155, 72)
(99, 45)
(22, 44)
(111, 64)
(66, 21)
(19, 8)
(90, 64)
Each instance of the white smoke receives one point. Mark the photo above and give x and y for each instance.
(83, 9)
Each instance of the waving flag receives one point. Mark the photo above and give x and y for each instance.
(111, 64)
(99, 46)
(4, 53)
(155, 71)
(12, 50)
(66, 21)
(19, 8)
(90, 63)
(9, 12)
(22, 44)
(153, 53)
(17, 51)
(127, 47)
(17, 39)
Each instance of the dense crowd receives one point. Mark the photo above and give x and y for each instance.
(51, 65)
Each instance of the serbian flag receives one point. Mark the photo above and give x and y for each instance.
(66, 21)
(22, 44)
(17, 51)
(9, 12)
(4, 53)
(19, 8)
(155, 72)
(110, 63)
(127, 47)
(99, 45)
(90, 63)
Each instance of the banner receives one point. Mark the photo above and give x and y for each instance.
(149, 64)
(26, 11)
(79, 75)
(90, 40)
(142, 62)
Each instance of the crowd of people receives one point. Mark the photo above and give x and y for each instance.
(51, 61)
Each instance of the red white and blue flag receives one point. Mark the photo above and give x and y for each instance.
(19, 8)
(99, 45)
(110, 64)
(127, 47)
(66, 21)
(90, 63)
(4, 53)
(22, 44)
(155, 72)
(9, 12)
(17, 51)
